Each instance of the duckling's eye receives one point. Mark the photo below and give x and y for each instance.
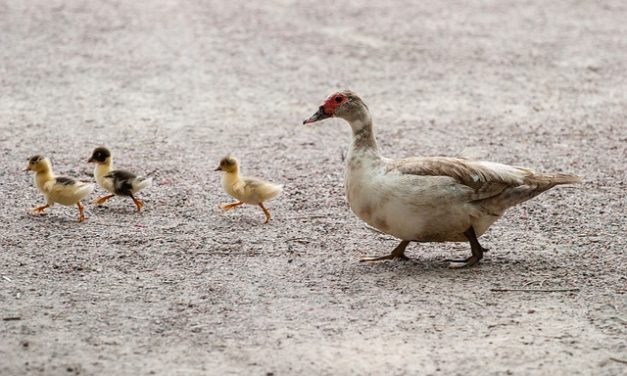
(338, 99)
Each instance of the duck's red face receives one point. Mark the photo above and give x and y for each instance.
(327, 109)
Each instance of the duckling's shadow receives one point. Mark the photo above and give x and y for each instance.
(46, 218)
(243, 219)
(105, 209)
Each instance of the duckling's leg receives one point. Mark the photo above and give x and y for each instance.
(81, 215)
(101, 200)
(230, 206)
(266, 212)
(139, 203)
(397, 253)
(40, 209)
(475, 247)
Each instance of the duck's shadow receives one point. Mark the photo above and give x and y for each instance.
(433, 265)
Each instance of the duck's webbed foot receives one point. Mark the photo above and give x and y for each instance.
(40, 209)
(397, 253)
(101, 200)
(475, 247)
(81, 213)
(139, 204)
(227, 207)
(266, 212)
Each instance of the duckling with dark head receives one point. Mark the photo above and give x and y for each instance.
(116, 182)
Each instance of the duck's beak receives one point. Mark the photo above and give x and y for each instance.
(27, 168)
(319, 115)
(218, 168)
(90, 160)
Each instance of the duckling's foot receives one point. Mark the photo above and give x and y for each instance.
(81, 215)
(227, 207)
(397, 253)
(475, 247)
(266, 212)
(101, 200)
(138, 203)
(40, 209)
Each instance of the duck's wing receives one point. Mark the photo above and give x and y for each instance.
(501, 184)
(66, 190)
(260, 189)
(121, 181)
(483, 177)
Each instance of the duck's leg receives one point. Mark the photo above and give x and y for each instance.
(397, 253)
(266, 212)
(230, 206)
(40, 209)
(475, 247)
(138, 203)
(81, 214)
(101, 200)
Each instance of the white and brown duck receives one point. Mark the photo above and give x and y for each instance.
(116, 182)
(427, 199)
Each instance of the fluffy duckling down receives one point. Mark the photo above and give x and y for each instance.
(247, 190)
(116, 182)
(57, 189)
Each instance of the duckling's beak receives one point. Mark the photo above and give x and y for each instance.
(27, 168)
(90, 160)
(319, 115)
(219, 168)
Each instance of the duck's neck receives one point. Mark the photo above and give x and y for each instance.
(231, 177)
(102, 169)
(364, 140)
(41, 177)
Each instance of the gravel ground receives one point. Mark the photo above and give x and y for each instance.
(184, 289)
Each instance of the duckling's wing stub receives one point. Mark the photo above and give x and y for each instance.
(261, 189)
(63, 180)
(122, 181)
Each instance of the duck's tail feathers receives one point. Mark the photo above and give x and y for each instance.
(548, 181)
(534, 184)
(141, 183)
(272, 190)
(84, 189)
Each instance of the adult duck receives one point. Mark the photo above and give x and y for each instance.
(427, 199)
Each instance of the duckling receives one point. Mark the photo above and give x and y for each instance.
(427, 199)
(57, 189)
(118, 182)
(246, 190)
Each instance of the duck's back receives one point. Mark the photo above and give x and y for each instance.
(66, 191)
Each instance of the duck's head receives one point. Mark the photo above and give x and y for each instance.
(228, 164)
(100, 155)
(38, 163)
(344, 104)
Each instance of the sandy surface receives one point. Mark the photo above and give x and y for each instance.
(184, 289)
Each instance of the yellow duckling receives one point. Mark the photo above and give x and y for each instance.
(117, 182)
(246, 190)
(57, 189)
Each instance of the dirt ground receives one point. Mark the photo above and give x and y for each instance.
(183, 289)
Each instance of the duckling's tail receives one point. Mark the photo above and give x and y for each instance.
(142, 183)
(270, 191)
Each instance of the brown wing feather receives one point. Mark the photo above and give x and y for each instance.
(470, 173)
(494, 186)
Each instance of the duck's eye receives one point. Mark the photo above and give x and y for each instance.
(338, 99)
